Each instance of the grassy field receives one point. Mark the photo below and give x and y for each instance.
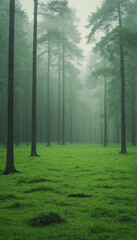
(78, 192)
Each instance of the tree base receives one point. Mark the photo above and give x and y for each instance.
(10, 171)
(34, 155)
(123, 152)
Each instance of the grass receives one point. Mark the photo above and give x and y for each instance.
(76, 192)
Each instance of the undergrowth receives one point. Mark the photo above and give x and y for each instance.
(76, 192)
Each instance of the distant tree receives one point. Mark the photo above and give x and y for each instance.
(34, 82)
(111, 13)
(10, 168)
(59, 26)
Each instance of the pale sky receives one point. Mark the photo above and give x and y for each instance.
(83, 10)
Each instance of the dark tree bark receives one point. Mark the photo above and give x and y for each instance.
(63, 97)
(59, 97)
(10, 168)
(71, 122)
(122, 71)
(133, 113)
(48, 98)
(101, 120)
(34, 79)
(27, 113)
(105, 113)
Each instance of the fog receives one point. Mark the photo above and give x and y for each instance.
(78, 84)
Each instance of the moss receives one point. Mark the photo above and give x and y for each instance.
(43, 220)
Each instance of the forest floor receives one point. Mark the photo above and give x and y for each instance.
(72, 192)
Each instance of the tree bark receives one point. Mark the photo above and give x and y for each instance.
(59, 97)
(101, 120)
(34, 78)
(48, 97)
(105, 113)
(122, 71)
(133, 114)
(63, 97)
(71, 122)
(10, 168)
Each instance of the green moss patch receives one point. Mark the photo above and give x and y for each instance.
(43, 220)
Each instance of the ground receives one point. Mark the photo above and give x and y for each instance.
(72, 192)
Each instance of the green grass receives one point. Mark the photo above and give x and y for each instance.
(78, 192)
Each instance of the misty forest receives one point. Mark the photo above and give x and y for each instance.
(68, 122)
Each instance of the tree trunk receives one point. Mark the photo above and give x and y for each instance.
(48, 98)
(59, 97)
(122, 71)
(63, 97)
(101, 122)
(71, 123)
(133, 114)
(10, 151)
(105, 113)
(34, 78)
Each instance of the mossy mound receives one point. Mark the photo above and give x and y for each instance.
(43, 220)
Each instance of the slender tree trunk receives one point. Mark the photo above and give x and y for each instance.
(63, 97)
(90, 128)
(10, 168)
(59, 97)
(133, 114)
(71, 123)
(27, 113)
(101, 122)
(34, 78)
(122, 70)
(48, 98)
(105, 113)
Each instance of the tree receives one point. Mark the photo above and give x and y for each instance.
(10, 168)
(62, 34)
(34, 80)
(106, 17)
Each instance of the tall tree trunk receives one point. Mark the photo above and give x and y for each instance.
(101, 122)
(59, 97)
(71, 122)
(10, 168)
(34, 78)
(122, 71)
(133, 113)
(105, 113)
(27, 113)
(63, 97)
(48, 98)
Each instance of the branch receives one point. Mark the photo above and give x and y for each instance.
(42, 13)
